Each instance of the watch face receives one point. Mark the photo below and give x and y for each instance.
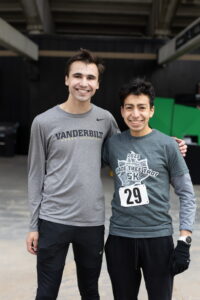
(188, 239)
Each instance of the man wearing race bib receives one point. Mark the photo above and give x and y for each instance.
(145, 162)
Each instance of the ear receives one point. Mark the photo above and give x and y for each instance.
(66, 81)
(97, 85)
(152, 110)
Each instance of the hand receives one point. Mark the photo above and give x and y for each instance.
(182, 146)
(180, 258)
(32, 242)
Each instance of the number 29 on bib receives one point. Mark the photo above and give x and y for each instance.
(133, 195)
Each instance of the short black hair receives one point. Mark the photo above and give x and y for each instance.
(87, 57)
(137, 86)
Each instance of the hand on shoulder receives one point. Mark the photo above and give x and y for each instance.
(182, 146)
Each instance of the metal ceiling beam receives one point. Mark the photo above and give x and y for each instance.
(101, 30)
(161, 17)
(100, 20)
(166, 18)
(65, 12)
(185, 41)
(188, 12)
(105, 1)
(100, 8)
(10, 7)
(153, 17)
(13, 40)
(38, 15)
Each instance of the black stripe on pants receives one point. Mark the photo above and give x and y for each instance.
(126, 257)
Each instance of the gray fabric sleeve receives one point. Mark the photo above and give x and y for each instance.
(105, 161)
(36, 173)
(184, 189)
(113, 127)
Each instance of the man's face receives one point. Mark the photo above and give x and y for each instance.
(82, 81)
(136, 113)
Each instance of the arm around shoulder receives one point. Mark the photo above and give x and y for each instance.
(113, 127)
(182, 146)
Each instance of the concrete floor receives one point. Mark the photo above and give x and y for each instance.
(17, 271)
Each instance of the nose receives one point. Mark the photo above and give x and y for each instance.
(135, 113)
(83, 81)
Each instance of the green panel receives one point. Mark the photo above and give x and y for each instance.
(186, 121)
(162, 119)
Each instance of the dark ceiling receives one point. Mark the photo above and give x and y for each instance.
(150, 18)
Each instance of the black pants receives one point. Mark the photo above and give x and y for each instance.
(54, 240)
(127, 256)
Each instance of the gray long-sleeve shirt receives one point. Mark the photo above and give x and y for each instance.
(144, 167)
(64, 161)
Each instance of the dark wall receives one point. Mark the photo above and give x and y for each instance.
(28, 88)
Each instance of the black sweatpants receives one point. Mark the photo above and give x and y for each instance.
(126, 257)
(54, 240)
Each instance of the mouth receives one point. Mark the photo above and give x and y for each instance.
(135, 123)
(82, 91)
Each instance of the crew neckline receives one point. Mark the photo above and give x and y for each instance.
(75, 115)
(141, 137)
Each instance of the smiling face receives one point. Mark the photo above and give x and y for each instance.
(82, 81)
(136, 113)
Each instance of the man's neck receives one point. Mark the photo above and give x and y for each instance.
(76, 107)
(141, 133)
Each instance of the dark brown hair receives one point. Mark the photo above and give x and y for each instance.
(137, 86)
(87, 57)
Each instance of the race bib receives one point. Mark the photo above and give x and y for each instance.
(133, 195)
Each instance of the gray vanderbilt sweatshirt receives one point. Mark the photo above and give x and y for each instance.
(64, 161)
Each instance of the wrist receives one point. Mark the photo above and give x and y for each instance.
(186, 239)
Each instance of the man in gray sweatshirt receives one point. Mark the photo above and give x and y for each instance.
(65, 189)
(144, 162)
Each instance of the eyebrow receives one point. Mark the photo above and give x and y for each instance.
(130, 104)
(88, 75)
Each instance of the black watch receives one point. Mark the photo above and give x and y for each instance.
(186, 239)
